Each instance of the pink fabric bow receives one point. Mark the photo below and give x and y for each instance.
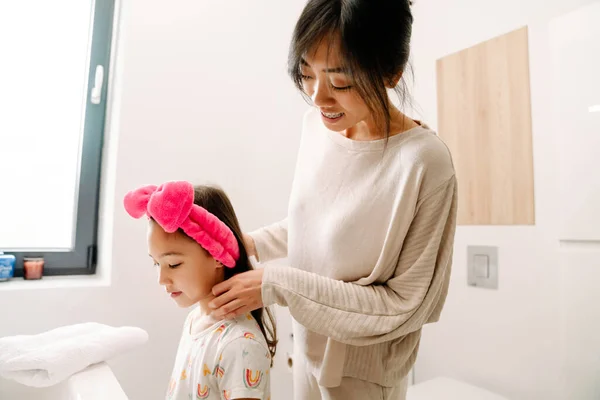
(172, 206)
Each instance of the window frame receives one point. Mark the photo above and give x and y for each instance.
(82, 257)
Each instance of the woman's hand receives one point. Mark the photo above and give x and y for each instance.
(238, 295)
(250, 245)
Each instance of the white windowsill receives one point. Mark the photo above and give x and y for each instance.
(55, 282)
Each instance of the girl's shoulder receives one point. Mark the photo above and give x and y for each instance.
(243, 338)
(243, 327)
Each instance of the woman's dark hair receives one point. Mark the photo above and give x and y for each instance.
(374, 36)
(215, 201)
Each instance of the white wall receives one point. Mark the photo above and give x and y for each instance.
(536, 337)
(201, 93)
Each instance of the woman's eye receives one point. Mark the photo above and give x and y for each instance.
(341, 88)
(305, 77)
(174, 265)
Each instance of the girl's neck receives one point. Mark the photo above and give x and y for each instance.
(219, 277)
(202, 318)
(203, 304)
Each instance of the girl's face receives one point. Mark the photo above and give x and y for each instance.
(185, 269)
(330, 88)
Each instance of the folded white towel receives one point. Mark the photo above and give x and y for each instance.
(48, 358)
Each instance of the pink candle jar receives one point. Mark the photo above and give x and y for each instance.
(33, 268)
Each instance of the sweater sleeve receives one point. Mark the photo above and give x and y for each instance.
(365, 315)
(271, 241)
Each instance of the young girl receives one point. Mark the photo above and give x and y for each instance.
(194, 239)
(372, 213)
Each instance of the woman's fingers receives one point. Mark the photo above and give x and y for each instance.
(223, 299)
(238, 295)
(239, 312)
(228, 309)
(222, 287)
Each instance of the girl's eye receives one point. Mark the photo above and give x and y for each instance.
(305, 77)
(157, 265)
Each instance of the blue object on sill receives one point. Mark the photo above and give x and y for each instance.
(7, 266)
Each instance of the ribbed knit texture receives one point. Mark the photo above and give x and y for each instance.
(369, 236)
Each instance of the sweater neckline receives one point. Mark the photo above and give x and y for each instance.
(373, 145)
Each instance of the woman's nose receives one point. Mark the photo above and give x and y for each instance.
(321, 96)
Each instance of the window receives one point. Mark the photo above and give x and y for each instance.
(53, 75)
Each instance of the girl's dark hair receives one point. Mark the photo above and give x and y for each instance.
(375, 46)
(215, 201)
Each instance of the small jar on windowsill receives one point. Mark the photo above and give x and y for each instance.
(33, 268)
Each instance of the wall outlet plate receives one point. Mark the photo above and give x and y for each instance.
(482, 266)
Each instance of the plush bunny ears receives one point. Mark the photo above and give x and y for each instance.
(172, 206)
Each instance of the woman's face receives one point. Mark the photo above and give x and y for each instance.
(185, 269)
(330, 88)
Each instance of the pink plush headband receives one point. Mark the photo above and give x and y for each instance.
(172, 206)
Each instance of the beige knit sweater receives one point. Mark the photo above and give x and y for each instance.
(369, 238)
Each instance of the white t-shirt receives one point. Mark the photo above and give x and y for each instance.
(229, 360)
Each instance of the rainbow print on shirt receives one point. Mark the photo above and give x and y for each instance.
(252, 378)
(221, 328)
(222, 331)
(226, 394)
(219, 371)
(202, 392)
(249, 335)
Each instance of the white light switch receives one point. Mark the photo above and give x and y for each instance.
(482, 266)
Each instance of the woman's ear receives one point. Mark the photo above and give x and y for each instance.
(218, 264)
(393, 81)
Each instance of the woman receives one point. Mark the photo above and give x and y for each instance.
(372, 213)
